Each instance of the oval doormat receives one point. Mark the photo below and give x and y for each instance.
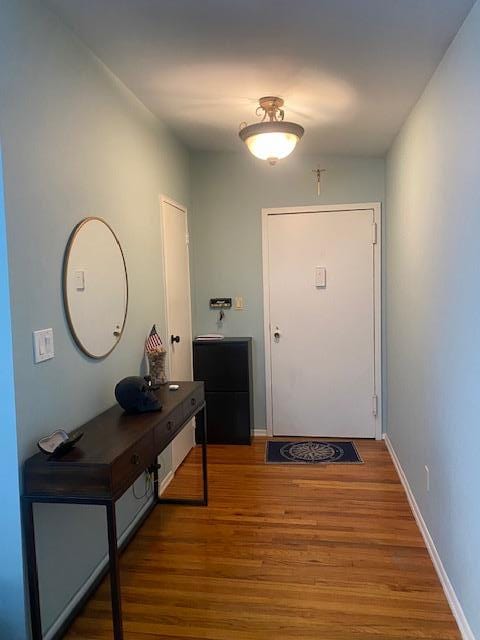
(311, 452)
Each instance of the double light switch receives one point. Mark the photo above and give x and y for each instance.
(43, 345)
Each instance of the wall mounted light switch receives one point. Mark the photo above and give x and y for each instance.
(320, 277)
(80, 280)
(239, 303)
(43, 345)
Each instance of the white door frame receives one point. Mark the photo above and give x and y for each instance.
(376, 208)
(166, 200)
(167, 318)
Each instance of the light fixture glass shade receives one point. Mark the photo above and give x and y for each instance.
(275, 145)
(271, 141)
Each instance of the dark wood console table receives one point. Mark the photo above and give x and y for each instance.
(115, 450)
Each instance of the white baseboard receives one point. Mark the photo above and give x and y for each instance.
(92, 578)
(455, 606)
(262, 433)
(165, 482)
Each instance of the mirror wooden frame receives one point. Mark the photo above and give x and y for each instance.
(66, 257)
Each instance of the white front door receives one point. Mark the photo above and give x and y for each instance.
(322, 323)
(179, 321)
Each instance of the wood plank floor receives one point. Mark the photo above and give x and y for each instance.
(282, 552)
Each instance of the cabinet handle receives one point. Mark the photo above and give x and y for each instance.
(135, 459)
(193, 402)
(169, 425)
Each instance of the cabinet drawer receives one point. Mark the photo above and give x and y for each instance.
(166, 430)
(223, 366)
(191, 404)
(229, 419)
(132, 463)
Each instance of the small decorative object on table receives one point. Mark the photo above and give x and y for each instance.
(156, 354)
(58, 442)
(135, 395)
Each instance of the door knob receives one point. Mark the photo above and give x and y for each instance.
(174, 339)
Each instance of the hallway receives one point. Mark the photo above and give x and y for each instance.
(281, 552)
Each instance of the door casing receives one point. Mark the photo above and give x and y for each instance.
(377, 274)
(183, 439)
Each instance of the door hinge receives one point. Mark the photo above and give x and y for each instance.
(374, 233)
(187, 238)
(375, 405)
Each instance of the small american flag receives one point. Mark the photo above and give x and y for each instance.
(153, 343)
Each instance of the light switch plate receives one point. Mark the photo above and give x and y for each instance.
(320, 277)
(239, 303)
(80, 280)
(43, 345)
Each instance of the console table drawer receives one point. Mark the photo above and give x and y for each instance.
(133, 462)
(166, 431)
(191, 404)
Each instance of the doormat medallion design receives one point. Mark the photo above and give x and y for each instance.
(311, 452)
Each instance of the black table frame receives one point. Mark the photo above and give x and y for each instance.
(28, 500)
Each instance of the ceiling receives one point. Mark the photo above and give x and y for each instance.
(349, 70)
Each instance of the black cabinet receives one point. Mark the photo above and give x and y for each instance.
(225, 366)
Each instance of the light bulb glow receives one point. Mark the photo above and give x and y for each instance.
(272, 140)
(272, 146)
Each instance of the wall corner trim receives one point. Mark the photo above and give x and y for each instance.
(455, 606)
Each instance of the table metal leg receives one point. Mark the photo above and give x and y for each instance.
(196, 502)
(32, 571)
(114, 572)
(204, 455)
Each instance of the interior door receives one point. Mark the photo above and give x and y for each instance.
(179, 322)
(321, 283)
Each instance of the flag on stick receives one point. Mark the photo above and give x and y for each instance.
(153, 343)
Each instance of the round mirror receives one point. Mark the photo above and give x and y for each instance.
(95, 287)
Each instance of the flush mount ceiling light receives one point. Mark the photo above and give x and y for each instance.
(271, 139)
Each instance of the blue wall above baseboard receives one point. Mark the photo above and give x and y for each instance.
(433, 309)
(76, 143)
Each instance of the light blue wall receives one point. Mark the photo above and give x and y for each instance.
(228, 193)
(433, 308)
(76, 143)
(11, 570)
